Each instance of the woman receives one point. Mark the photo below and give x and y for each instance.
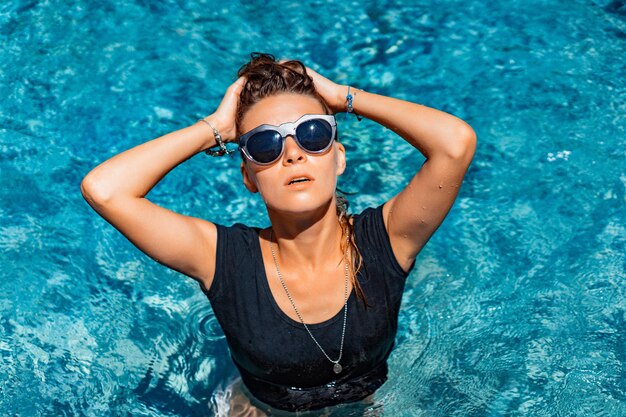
(309, 305)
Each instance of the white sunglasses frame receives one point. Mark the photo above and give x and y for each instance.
(288, 129)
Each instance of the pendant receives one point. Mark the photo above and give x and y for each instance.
(337, 368)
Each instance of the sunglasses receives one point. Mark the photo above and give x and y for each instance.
(265, 144)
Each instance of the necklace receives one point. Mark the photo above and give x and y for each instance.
(337, 368)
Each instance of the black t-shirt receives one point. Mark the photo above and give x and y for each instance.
(279, 362)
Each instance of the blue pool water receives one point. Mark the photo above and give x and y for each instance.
(516, 306)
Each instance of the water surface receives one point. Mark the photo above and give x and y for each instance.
(516, 305)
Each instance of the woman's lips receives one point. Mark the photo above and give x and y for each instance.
(299, 179)
(298, 185)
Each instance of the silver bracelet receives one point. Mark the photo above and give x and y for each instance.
(220, 143)
(350, 107)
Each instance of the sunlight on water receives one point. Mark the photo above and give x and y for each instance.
(516, 305)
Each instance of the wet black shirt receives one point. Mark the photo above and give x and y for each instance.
(279, 362)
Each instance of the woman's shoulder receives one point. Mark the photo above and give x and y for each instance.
(368, 226)
(368, 215)
(373, 241)
(237, 234)
(238, 228)
(232, 243)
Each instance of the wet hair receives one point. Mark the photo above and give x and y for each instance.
(266, 77)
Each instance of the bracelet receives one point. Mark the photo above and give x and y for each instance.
(350, 108)
(218, 138)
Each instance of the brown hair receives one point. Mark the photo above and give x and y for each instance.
(267, 77)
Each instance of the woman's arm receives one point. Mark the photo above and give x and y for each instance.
(429, 130)
(447, 142)
(116, 189)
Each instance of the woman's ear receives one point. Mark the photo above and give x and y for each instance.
(341, 158)
(247, 181)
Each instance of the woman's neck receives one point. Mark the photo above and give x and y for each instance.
(308, 242)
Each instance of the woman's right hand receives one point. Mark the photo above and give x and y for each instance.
(224, 117)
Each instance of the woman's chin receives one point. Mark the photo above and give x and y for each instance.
(300, 205)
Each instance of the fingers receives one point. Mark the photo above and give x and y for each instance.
(237, 86)
(234, 90)
(227, 109)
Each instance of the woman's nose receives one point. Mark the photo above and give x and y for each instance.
(293, 153)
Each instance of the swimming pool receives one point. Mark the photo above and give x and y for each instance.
(516, 305)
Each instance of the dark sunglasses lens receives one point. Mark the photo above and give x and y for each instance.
(264, 146)
(314, 135)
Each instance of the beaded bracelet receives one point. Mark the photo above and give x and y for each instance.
(218, 138)
(350, 108)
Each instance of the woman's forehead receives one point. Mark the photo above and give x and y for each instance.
(277, 109)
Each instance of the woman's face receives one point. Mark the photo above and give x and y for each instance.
(272, 181)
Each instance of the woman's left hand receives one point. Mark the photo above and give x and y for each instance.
(333, 94)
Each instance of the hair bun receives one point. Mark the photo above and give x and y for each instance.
(265, 77)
